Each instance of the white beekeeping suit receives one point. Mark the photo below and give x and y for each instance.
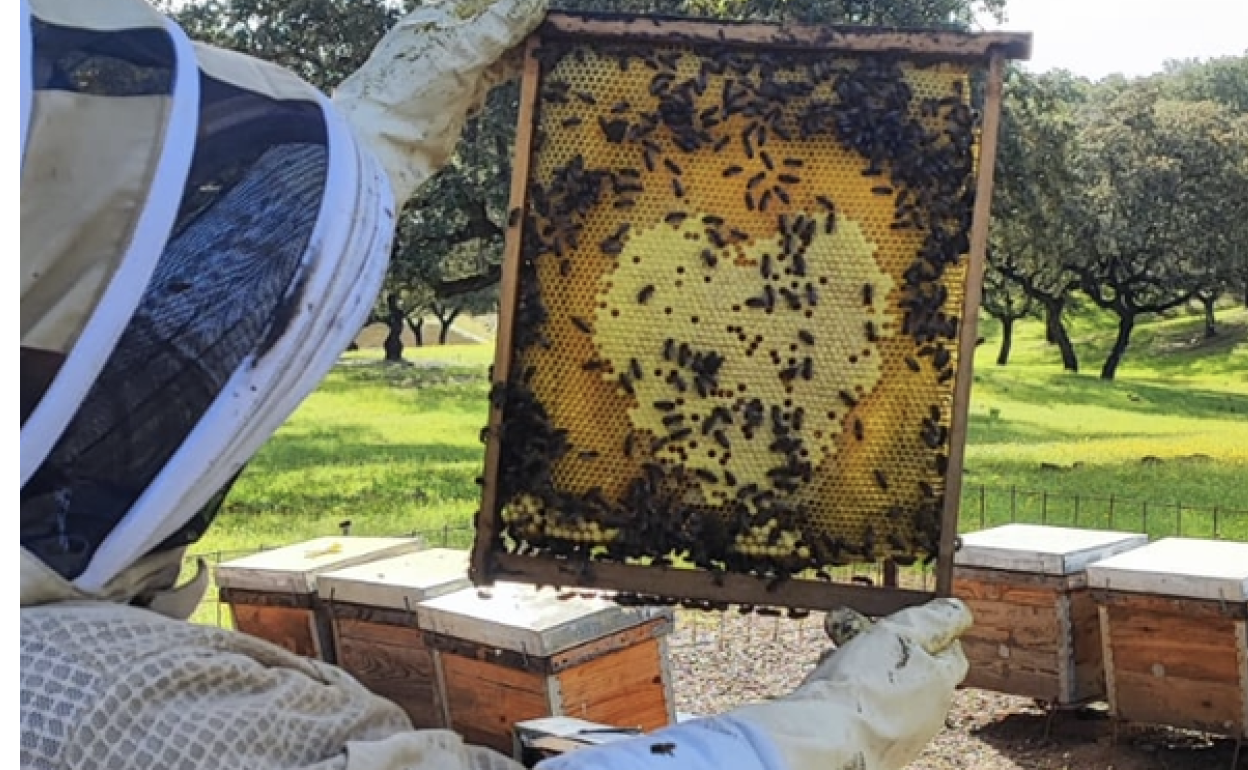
(201, 236)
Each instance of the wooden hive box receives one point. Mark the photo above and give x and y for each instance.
(373, 609)
(518, 653)
(1036, 632)
(272, 594)
(1172, 617)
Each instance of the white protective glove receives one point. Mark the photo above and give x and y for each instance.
(409, 101)
(872, 704)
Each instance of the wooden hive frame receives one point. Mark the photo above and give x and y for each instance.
(489, 561)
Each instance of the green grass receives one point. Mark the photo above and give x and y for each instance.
(1167, 440)
(390, 448)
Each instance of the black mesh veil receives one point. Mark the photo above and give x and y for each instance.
(221, 285)
(243, 262)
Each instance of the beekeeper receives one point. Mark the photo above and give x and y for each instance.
(201, 235)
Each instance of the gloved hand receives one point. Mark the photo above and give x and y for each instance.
(872, 704)
(409, 101)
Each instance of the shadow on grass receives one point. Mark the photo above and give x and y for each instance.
(1168, 350)
(303, 452)
(1179, 349)
(405, 376)
(987, 431)
(1058, 390)
(1085, 737)
(361, 475)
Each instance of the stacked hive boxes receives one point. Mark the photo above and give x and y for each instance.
(373, 610)
(519, 653)
(407, 624)
(1035, 631)
(1173, 619)
(272, 594)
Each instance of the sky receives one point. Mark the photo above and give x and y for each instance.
(1096, 38)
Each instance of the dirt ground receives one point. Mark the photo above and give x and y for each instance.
(739, 659)
(990, 731)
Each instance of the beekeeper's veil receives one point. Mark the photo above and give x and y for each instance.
(201, 237)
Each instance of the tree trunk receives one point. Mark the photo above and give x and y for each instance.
(394, 329)
(1007, 339)
(1126, 323)
(418, 329)
(446, 322)
(1211, 329)
(1055, 331)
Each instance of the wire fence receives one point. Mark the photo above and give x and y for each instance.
(982, 507)
(985, 506)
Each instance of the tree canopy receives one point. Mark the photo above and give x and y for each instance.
(1125, 193)
(449, 248)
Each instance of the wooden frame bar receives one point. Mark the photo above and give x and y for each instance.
(731, 588)
(509, 288)
(969, 331)
(489, 563)
(945, 45)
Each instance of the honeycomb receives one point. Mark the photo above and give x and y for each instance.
(735, 332)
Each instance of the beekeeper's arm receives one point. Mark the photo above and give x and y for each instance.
(873, 704)
(202, 235)
(411, 98)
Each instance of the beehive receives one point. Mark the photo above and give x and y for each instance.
(373, 611)
(520, 653)
(272, 594)
(731, 320)
(1174, 627)
(1036, 632)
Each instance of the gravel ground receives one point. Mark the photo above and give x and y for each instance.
(722, 660)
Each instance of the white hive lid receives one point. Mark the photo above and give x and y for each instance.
(1179, 567)
(398, 582)
(294, 568)
(1041, 549)
(521, 618)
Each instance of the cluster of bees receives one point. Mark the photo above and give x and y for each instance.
(737, 316)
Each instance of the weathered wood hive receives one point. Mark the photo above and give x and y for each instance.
(1173, 619)
(1036, 632)
(373, 611)
(519, 653)
(272, 594)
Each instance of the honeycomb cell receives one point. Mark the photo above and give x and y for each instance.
(738, 309)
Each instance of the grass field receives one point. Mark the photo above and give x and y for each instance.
(396, 449)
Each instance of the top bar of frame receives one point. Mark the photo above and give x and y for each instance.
(941, 44)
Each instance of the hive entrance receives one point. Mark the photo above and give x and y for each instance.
(732, 346)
